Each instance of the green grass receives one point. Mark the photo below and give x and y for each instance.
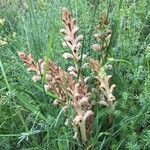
(27, 118)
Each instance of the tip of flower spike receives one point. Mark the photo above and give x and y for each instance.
(65, 14)
(64, 9)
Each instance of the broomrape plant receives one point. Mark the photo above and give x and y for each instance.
(71, 86)
(99, 67)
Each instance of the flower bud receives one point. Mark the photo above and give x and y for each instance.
(96, 47)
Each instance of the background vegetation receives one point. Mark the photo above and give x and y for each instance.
(27, 118)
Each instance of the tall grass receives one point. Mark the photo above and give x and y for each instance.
(27, 118)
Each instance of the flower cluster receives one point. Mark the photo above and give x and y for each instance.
(71, 86)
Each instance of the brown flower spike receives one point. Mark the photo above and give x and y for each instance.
(80, 101)
(99, 68)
